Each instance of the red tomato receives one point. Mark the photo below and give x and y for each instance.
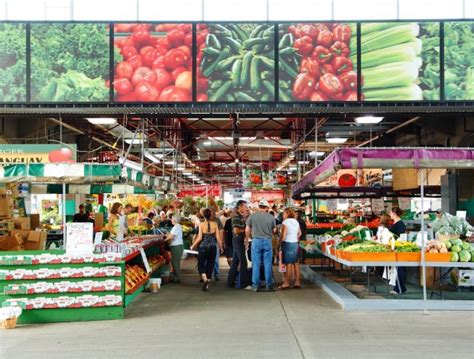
(177, 71)
(149, 57)
(188, 40)
(163, 42)
(201, 97)
(123, 27)
(201, 38)
(141, 27)
(186, 50)
(174, 94)
(163, 78)
(202, 84)
(185, 27)
(175, 58)
(128, 51)
(123, 86)
(160, 50)
(124, 69)
(176, 37)
(146, 92)
(141, 37)
(185, 81)
(144, 49)
(135, 61)
(143, 74)
(125, 42)
(159, 63)
(130, 97)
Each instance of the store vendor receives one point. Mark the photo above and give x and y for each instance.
(82, 216)
(398, 228)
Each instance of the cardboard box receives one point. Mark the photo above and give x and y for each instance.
(21, 232)
(9, 242)
(22, 223)
(34, 221)
(6, 206)
(99, 221)
(36, 240)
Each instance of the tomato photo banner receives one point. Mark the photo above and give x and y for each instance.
(200, 191)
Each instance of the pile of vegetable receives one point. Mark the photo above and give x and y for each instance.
(405, 247)
(238, 62)
(368, 247)
(154, 64)
(461, 251)
(315, 62)
(396, 64)
(458, 60)
(12, 62)
(69, 62)
(451, 225)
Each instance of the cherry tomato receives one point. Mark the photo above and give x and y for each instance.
(146, 92)
(123, 86)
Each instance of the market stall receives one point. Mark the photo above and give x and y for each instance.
(358, 253)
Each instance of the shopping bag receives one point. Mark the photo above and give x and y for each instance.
(281, 265)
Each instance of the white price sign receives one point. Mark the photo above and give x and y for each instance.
(377, 205)
(145, 261)
(79, 238)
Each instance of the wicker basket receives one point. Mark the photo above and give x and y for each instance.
(9, 323)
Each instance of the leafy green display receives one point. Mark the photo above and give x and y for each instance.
(459, 60)
(56, 49)
(12, 62)
(430, 54)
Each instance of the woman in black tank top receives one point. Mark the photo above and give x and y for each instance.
(205, 242)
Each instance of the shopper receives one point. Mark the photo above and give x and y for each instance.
(239, 265)
(208, 240)
(175, 238)
(149, 220)
(398, 228)
(228, 235)
(165, 221)
(221, 232)
(81, 216)
(260, 227)
(113, 223)
(289, 235)
(125, 213)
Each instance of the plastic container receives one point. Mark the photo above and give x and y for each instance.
(408, 256)
(154, 285)
(371, 257)
(437, 257)
(9, 323)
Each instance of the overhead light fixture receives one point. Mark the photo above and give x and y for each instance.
(134, 141)
(131, 164)
(207, 143)
(336, 140)
(155, 158)
(236, 160)
(368, 119)
(305, 194)
(319, 154)
(188, 174)
(102, 120)
(170, 163)
(303, 162)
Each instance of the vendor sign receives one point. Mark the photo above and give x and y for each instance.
(47, 153)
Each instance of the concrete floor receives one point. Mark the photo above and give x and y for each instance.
(183, 322)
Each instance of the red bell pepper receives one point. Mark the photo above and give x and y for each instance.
(349, 80)
(318, 96)
(175, 58)
(310, 66)
(341, 64)
(350, 96)
(309, 30)
(330, 85)
(321, 54)
(339, 48)
(326, 69)
(325, 38)
(304, 45)
(303, 86)
(342, 33)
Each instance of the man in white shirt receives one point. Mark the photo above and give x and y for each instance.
(175, 238)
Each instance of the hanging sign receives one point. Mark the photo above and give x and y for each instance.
(79, 238)
(37, 153)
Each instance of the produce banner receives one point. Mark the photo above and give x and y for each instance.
(459, 60)
(37, 153)
(278, 179)
(235, 62)
(317, 62)
(252, 178)
(270, 196)
(69, 62)
(153, 63)
(88, 189)
(12, 62)
(400, 61)
(200, 191)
